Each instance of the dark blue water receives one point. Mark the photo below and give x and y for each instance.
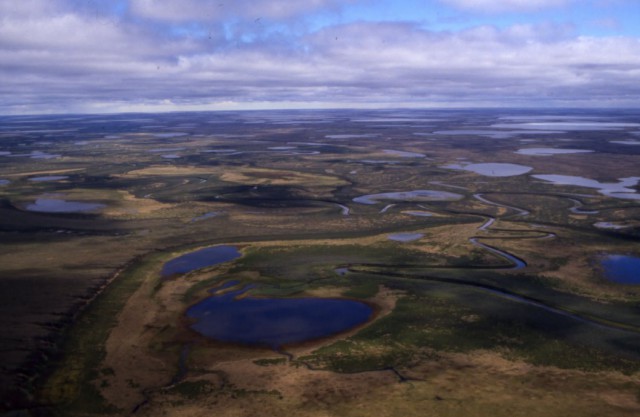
(622, 269)
(199, 259)
(274, 322)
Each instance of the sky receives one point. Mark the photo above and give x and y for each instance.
(105, 56)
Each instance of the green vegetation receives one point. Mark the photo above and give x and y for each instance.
(270, 361)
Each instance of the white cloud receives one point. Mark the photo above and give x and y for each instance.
(214, 10)
(69, 61)
(493, 6)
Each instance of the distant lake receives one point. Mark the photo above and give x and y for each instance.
(415, 195)
(622, 269)
(404, 154)
(205, 216)
(405, 237)
(49, 178)
(352, 136)
(570, 126)
(495, 134)
(550, 151)
(492, 169)
(43, 155)
(418, 213)
(621, 189)
(274, 322)
(201, 258)
(161, 150)
(54, 205)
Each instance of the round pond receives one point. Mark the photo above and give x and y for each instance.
(274, 322)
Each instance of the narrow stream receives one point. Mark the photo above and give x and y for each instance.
(519, 211)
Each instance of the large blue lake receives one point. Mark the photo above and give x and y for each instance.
(200, 259)
(274, 322)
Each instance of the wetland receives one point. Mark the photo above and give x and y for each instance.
(325, 262)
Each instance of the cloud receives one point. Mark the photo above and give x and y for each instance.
(495, 6)
(64, 60)
(208, 10)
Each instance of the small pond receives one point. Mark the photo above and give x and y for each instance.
(352, 136)
(47, 178)
(492, 169)
(4, 182)
(405, 237)
(282, 148)
(274, 322)
(418, 213)
(201, 258)
(415, 195)
(205, 216)
(43, 155)
(54, 205)
(622, 269)
(550, 151)
(611, 225)
(404, 154)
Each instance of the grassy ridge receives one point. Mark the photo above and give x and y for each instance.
(70, 386)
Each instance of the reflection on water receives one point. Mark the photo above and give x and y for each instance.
(54, 205)
(415, 195)
(199, 259)
(611, 225)
(622, 269)
(274, 322)
(405, 237)
(549, 151)
(49, 178)
(620, 189)
(352, 136)
(492, 169)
